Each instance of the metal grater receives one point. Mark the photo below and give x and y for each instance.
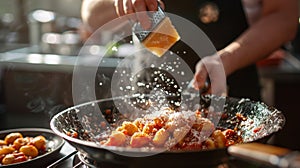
(160, 37)
(155, 18)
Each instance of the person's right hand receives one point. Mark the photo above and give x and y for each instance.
(137, 8)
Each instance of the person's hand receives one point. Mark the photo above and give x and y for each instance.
(96, 13)
(125, 7)
(211, 67)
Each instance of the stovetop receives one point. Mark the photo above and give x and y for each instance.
(75, 162)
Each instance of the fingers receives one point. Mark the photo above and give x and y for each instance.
(140, 7)
(128, 7)
(212, 68)
(129, 10)
(218, 84)
(200, 76)
(151, 5)
(161, 4)
(119, 7)
(124, 7)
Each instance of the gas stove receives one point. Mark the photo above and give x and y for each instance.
(79, 160)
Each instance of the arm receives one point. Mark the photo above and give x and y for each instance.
(278, 25)
(96, 13)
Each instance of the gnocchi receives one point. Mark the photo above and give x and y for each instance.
(139, 139)
(13, 158)
(39, 142)
(174, 130)
(160, 137)
(16, 148)
(29, 150)
(129, 128)
(10, 138)
(116, 139)
(2, 142)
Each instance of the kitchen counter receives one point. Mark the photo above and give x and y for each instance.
(28, 58)
(288, 67)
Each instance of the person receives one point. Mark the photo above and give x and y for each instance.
(239, 46)
(242, 31)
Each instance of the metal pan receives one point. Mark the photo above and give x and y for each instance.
(86, 119)
(54, 145)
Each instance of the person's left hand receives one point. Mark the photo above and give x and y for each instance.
(211, 67)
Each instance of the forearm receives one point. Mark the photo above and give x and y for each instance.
(96, 13)
(268, 34)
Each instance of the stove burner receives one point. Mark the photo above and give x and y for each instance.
(80, 160)
(86, 161)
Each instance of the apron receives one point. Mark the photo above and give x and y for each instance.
(231, 22)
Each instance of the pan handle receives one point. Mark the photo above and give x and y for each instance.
(266, 154)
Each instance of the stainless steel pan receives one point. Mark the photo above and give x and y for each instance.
(263, 121)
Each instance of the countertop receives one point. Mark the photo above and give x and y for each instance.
(27, 59)
(30, 58)
(288, 68)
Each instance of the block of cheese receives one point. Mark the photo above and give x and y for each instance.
(162, 38)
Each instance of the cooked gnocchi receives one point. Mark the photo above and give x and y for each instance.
(174, 130)
(16, 148)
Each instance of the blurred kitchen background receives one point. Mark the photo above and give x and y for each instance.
(29, 27)
(39, 42)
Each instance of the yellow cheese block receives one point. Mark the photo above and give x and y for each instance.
(162, 38)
